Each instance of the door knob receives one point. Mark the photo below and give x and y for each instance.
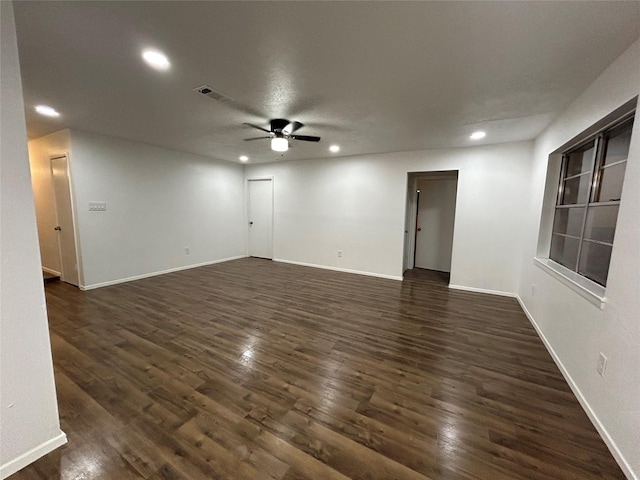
(250, 223)
(419, 229)
(58, 228)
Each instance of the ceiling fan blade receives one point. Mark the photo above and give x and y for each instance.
(255, 138)
(278, 124)
(292, 127)
(256, 126)
(306, 138)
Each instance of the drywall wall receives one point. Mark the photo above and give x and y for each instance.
(357, 205)
(436, 216)
(575, 330)
(40, 152)
(28, 408)
(159, 202)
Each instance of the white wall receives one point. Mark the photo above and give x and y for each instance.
(28, 408)
(40, 151)
(436, 216)
(159, 202)
(357, 205)
(575, 330)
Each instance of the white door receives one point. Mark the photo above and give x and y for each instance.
(260, 216)
(64, 215)
(436, 215)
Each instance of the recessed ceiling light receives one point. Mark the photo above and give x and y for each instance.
(47, 110)
(244, 158)
(334, 148)
(156, 59)
(478, 135)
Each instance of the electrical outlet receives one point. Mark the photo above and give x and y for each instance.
(186, 250)
(602, 364)
(339, 253)
(533, 290)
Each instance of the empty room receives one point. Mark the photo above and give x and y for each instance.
(320, 240)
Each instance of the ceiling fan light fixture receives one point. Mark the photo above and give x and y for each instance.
(279, 144)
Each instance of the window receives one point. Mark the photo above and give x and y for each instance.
(584, 223)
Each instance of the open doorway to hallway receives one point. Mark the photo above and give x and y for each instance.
(50, 177)
(429, 224)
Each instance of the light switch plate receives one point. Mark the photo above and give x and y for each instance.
(602, 364)
(97, 206)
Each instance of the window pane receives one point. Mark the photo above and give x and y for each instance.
(564, 250)
(594, 262)
(576, 190)
(611, 183)
(569, 221)
(580, 161)
(618, 146)
(590, 187)
(601, 223)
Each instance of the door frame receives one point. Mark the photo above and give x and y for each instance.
(246, 211)
(409, 255)
(411, 212)
(74, 217)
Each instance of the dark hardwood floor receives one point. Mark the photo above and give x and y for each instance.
(254, 370)
(50, 277)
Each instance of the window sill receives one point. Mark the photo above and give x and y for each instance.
(589, 290)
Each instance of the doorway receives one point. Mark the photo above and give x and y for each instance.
(65, 231)
(430, 218)
(260, 218)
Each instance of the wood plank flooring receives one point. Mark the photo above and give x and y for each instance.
(252, 369)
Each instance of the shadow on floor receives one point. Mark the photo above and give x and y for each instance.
(427, 275)
(50, 277)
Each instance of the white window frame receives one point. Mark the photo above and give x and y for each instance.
(590, 290)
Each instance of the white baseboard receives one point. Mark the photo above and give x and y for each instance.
(337, 269)
(32, 455)
(483, 290)
(155, 274)
(611, 444)
(51, 271)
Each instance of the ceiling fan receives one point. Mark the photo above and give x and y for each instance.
(280, 132)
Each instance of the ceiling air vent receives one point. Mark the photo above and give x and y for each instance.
(211, 93)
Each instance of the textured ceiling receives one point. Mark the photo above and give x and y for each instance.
(372, 77)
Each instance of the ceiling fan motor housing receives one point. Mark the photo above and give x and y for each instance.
(281, 131)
